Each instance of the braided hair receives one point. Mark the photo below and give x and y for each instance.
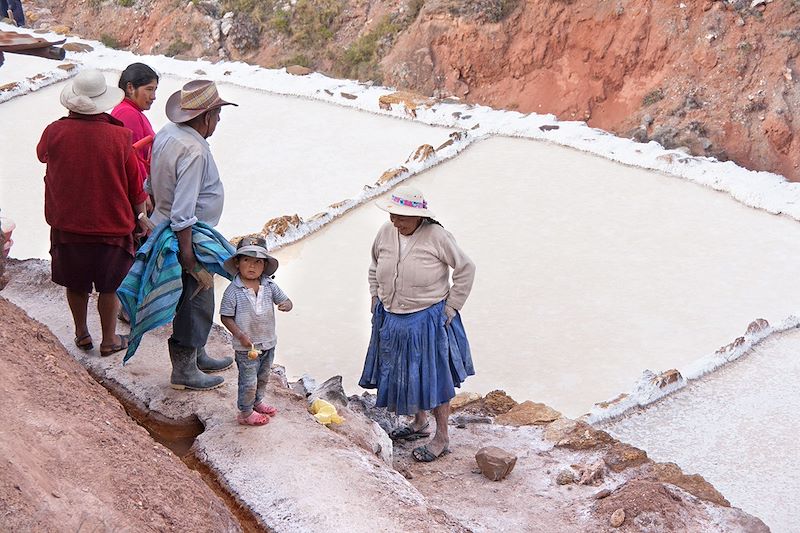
(431, 220)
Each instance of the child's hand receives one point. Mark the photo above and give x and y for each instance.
(285, 306)
(245, 339)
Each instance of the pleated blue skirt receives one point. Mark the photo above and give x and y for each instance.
(414, 360)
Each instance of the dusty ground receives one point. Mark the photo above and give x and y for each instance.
(294, 474)
(72, 459)
(608, 475)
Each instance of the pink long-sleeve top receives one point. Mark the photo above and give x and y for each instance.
(132, 117)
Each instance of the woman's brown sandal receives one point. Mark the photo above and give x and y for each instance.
(84, 346)
(409, 433)
(123, 344)
(424, 455)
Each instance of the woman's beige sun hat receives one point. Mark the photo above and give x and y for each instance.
(88, 93)
(405, 201)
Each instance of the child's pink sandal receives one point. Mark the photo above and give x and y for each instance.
(265, 409)
(255, 419)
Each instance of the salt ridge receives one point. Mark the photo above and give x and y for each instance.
(646, 390)
(34, 83)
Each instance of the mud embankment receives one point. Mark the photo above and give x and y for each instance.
(72, 458)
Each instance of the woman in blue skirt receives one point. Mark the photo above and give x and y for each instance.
(419, 351)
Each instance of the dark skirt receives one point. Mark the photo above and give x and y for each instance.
(414, 360)
(79, 265)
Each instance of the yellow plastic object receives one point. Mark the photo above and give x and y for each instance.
(324, 412)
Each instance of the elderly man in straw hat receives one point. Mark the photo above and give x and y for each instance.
(187, 189)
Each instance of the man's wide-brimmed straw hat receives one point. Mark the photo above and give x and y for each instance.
(405, 201)
(195, 98)
(253, 247)
(88, 93)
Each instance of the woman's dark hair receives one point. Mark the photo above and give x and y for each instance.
(430, 220)
(137, 74)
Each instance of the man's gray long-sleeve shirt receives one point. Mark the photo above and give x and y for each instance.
(184, 179)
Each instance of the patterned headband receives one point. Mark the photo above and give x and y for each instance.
(409, 203)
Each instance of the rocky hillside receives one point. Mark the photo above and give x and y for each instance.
(716, 77)
(719, 78)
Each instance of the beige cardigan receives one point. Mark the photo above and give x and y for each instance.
(421, 277)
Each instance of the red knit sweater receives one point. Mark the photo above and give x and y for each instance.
(92, 179)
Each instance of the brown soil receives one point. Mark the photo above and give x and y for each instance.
(74, 460)
(651, 506)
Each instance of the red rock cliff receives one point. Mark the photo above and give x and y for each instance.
(720, 78)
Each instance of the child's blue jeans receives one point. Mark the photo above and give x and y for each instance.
(253, 377)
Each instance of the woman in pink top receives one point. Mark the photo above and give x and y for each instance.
(139, 83)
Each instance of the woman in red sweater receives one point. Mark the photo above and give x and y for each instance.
(140, 83)
(93, 196)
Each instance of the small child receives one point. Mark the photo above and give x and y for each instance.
(246, 310)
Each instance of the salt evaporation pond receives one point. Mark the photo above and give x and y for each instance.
(588, 272)
(737, 427)
(18, 67)
(277, 155)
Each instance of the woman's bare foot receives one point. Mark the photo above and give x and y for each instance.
(437, 445)
(420, 421)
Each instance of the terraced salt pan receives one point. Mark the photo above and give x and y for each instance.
(760, 189)
(737, 427)
(588, 272)
(578, 314)
(18, 67)
(276, 154)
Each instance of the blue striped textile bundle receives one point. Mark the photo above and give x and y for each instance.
(152, 288)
